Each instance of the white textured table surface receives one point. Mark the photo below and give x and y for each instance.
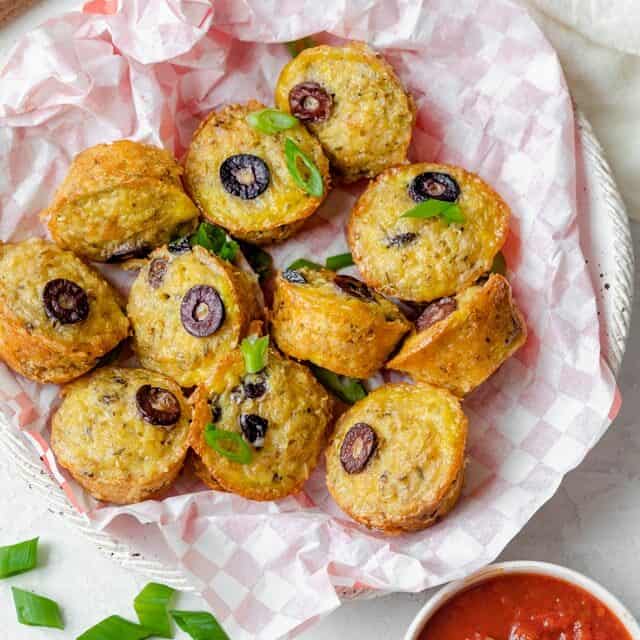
(590, 525)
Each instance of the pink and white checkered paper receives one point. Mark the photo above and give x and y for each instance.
(491, 97)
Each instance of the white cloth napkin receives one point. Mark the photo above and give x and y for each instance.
(598, 43)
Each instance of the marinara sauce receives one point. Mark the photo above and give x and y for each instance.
(524, 607)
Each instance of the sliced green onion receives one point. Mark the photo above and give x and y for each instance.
(215, 437)
(200, 625)
(301, 263)
(341, 261)
(116, 628)
(271, 121)
(453, 213)
(18, 558)
(36, 611)
(296, 46)
(448, 211)
(260, 260)
(349, 390)
(314, 184)
(151, 605)
(254, 352)
(215, 240)
(499, 264)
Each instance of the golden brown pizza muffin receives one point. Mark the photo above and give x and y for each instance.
(334, 321)
(396, 459)
(352, 100)
(119, 201)
(123, 434)
(422, 259)
(188, 310)
(58, 316)
(460, 341)
(239, 176)
(200, 470)
(272, 426)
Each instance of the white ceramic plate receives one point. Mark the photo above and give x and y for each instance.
(538, 568)
(607, 240)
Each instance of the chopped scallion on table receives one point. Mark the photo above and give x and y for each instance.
(200, 625)
(152, 605)
(35, 610)
(116, 628)
(18, 558)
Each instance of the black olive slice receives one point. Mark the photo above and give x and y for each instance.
(157, 406)
(65, 301)
(358, 447)
(255, 386)
(254, 429)
(129, 252)
(402, 239)
(436, 311)
(431, 184)
(216, 410)
(354, 287)
(245, 176)
(291, 275)
(310, 102)
(157, 271)
(201, 311)
(180, 245)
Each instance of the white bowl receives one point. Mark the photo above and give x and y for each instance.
(540, 568)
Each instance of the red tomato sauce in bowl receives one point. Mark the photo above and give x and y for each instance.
(523, 606)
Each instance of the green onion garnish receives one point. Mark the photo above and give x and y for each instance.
(301, 263)
(296, 46)
(151, 605)
(448, 211)
(313, 185)
(116, 628)
(36, 611)
(215, 240)
(271, 121)
(260, 261)
(341, 261)
(200, 625)
(241, 453)
(254, 352)
(18, 558)
(349, 390)
(499, 264)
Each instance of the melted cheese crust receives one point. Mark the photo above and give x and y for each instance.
(276, 213)
(120, 196)
(30, 341)
(298, 410)
(369, 128)
(415, 474)
(465, 348)
(319, 322)
(443, 259)
(99, 436)
(161, 341)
